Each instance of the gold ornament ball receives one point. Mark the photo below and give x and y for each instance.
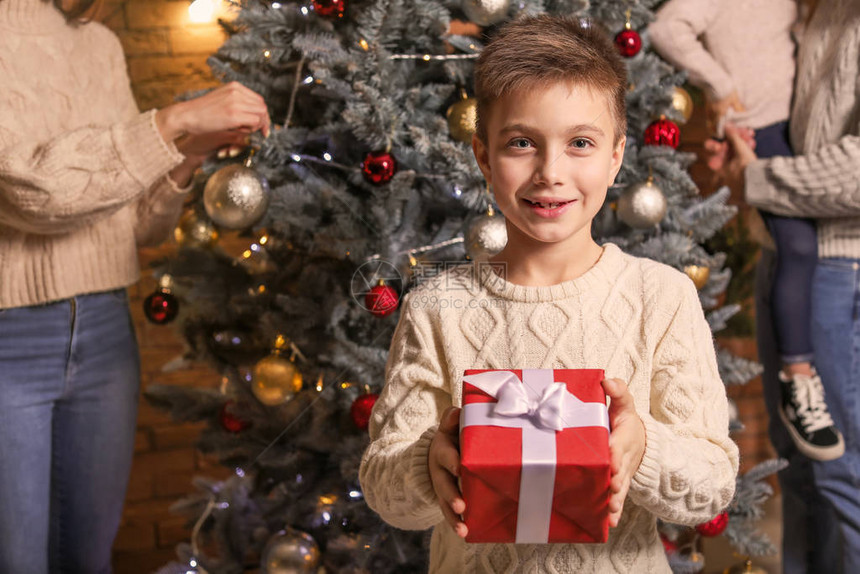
(195, 231)
(682, 102)
(462, 117)
(486, 12)
(642, 205)
(236, 197)
(275, 380)
(290, 551)
(486, 236)
(699, 274)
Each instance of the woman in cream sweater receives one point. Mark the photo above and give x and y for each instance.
(85, 178)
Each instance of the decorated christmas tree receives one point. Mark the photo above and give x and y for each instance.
(366, 186)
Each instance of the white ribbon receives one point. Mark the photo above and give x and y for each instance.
(539, 406)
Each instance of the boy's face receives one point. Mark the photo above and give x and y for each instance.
(550, 156)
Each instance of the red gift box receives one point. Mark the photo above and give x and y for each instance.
(534, 456)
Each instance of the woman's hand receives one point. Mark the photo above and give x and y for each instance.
(230, 108)
(740, 155)
(716, 110)
(444, 464)
(219, 121)
(626, 444)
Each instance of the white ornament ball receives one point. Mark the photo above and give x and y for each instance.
(236, 197)
(486, 12)
(642, 205)
(290, 552)
(486, 236)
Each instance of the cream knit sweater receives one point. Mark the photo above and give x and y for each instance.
(823, 179)
(639, 320)
(82, 171)
(733, 45)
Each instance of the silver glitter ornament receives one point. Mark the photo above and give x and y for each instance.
(236, 196)
(290, 552)
(486, 236)
(642, 205)
(486, 12)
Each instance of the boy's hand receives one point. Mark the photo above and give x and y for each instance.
(444, 464)
(626, 444)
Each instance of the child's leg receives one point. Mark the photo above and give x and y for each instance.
(797, 255)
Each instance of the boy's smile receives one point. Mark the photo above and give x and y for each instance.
(550, 156)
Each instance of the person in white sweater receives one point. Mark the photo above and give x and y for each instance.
(550, 141)
(742, 55)
(85, 178)
(822, 181)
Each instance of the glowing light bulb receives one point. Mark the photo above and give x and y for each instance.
(202, 11)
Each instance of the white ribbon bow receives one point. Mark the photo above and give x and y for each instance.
(545, 412)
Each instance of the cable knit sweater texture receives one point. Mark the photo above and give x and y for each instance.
(639, 320)
(733, 45)
(82, 171)
(823, 179)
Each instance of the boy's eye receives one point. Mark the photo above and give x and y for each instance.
(519, 143)
(580, 143)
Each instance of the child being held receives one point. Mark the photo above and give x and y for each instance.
(550, 141)
(745, 64)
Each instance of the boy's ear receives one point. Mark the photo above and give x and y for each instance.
(482, 156)
(617, 159)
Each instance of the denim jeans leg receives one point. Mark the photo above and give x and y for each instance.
(836, 342)
(810, 539)
(94, 426)
(34, 344)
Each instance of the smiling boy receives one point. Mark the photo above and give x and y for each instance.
(550, 142)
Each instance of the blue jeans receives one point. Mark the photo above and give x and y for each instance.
(836, 341)
(69, 383)
(811, 542)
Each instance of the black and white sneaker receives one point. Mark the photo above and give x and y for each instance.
(805, 414)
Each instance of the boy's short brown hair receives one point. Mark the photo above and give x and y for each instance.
(536, 51)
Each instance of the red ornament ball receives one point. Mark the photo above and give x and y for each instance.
(379, 167)
(330, 8)
(715, 526)
(361, 408)
(381, 300)
(161, 307)
(628, 42)
(230, 421)
(663, 132)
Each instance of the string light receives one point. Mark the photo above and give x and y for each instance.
(428, 57)
(267, 54)
(364, 45)
(424, 249)
(309, 80)
(276, 5)
(304, 10)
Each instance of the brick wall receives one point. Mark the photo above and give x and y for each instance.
(167, 56)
